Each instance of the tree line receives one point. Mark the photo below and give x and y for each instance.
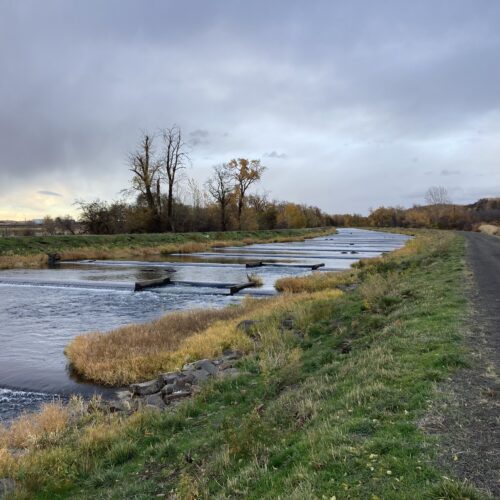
(165, 199)
(438, 213)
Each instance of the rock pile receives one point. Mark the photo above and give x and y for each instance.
(170, 388)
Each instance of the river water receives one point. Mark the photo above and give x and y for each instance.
(42, 310)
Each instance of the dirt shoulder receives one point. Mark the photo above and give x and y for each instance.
(466, 417)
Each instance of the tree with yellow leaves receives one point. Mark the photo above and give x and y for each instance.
(245, 173)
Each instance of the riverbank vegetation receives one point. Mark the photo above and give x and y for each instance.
(30, 251)
(438, 213)
(326, 405)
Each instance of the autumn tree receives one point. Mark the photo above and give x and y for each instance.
(174, 158)
(221, 188)
(146, 179)
(245, 173)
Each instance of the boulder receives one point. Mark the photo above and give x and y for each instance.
(119, 405)
(168, 389)
(170, 398)
(169, 378)
(202, 364)
(206, 365)
(155, 400)
(145, 388)
(247, 325)
(200, 375)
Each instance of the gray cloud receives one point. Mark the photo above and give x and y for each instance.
(352, 91)
(447, 172)
(275, 154)
(49, 193)
(198, 137)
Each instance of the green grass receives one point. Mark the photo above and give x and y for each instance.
(328, 410)
(28, 245)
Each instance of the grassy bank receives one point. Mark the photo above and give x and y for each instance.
(327, 406)
(31, 251)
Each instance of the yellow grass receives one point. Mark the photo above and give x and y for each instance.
(315, 281)
(22, 261)
(31, 430)
(489, 229)
(141, 351)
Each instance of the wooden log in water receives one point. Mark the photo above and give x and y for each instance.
(255, 264)
(236, 288)
(317, 266)
(300, 266)
(143, 285)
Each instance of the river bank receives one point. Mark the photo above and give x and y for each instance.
(326, 403)
(31, 251)
(44, 309)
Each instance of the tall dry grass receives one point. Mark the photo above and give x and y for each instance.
(35, 429)
(489, 229)
(316, 281)
(141, 351)
(22, 261)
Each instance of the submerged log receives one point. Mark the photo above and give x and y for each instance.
(317, 266)
(255, 264)
(236, 288)
(300, 266)
(143, 285)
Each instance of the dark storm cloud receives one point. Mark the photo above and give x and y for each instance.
(351, 89)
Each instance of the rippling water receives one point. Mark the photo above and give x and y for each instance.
(42, 310)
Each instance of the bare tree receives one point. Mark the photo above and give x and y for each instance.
(175, 157)
(146, 179)
(221, 188)
(66, 223)
(245, 173)
(437, 195)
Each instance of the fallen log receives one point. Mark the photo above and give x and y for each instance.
(300, 266)
(317, 266)
(236, 288)
(143, 285)
(255, 264)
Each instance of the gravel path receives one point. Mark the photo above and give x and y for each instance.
(468, 415)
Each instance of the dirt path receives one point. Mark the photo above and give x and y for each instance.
(468, 415)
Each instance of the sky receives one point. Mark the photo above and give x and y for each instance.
(350, 104)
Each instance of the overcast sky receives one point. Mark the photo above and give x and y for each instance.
(350, 104)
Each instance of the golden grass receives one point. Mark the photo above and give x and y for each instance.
(141, 351)
(22, 261)
(33, 429)
(489, 229)
(138, 351)
(316, 281)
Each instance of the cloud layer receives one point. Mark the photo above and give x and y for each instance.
(349, 104)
